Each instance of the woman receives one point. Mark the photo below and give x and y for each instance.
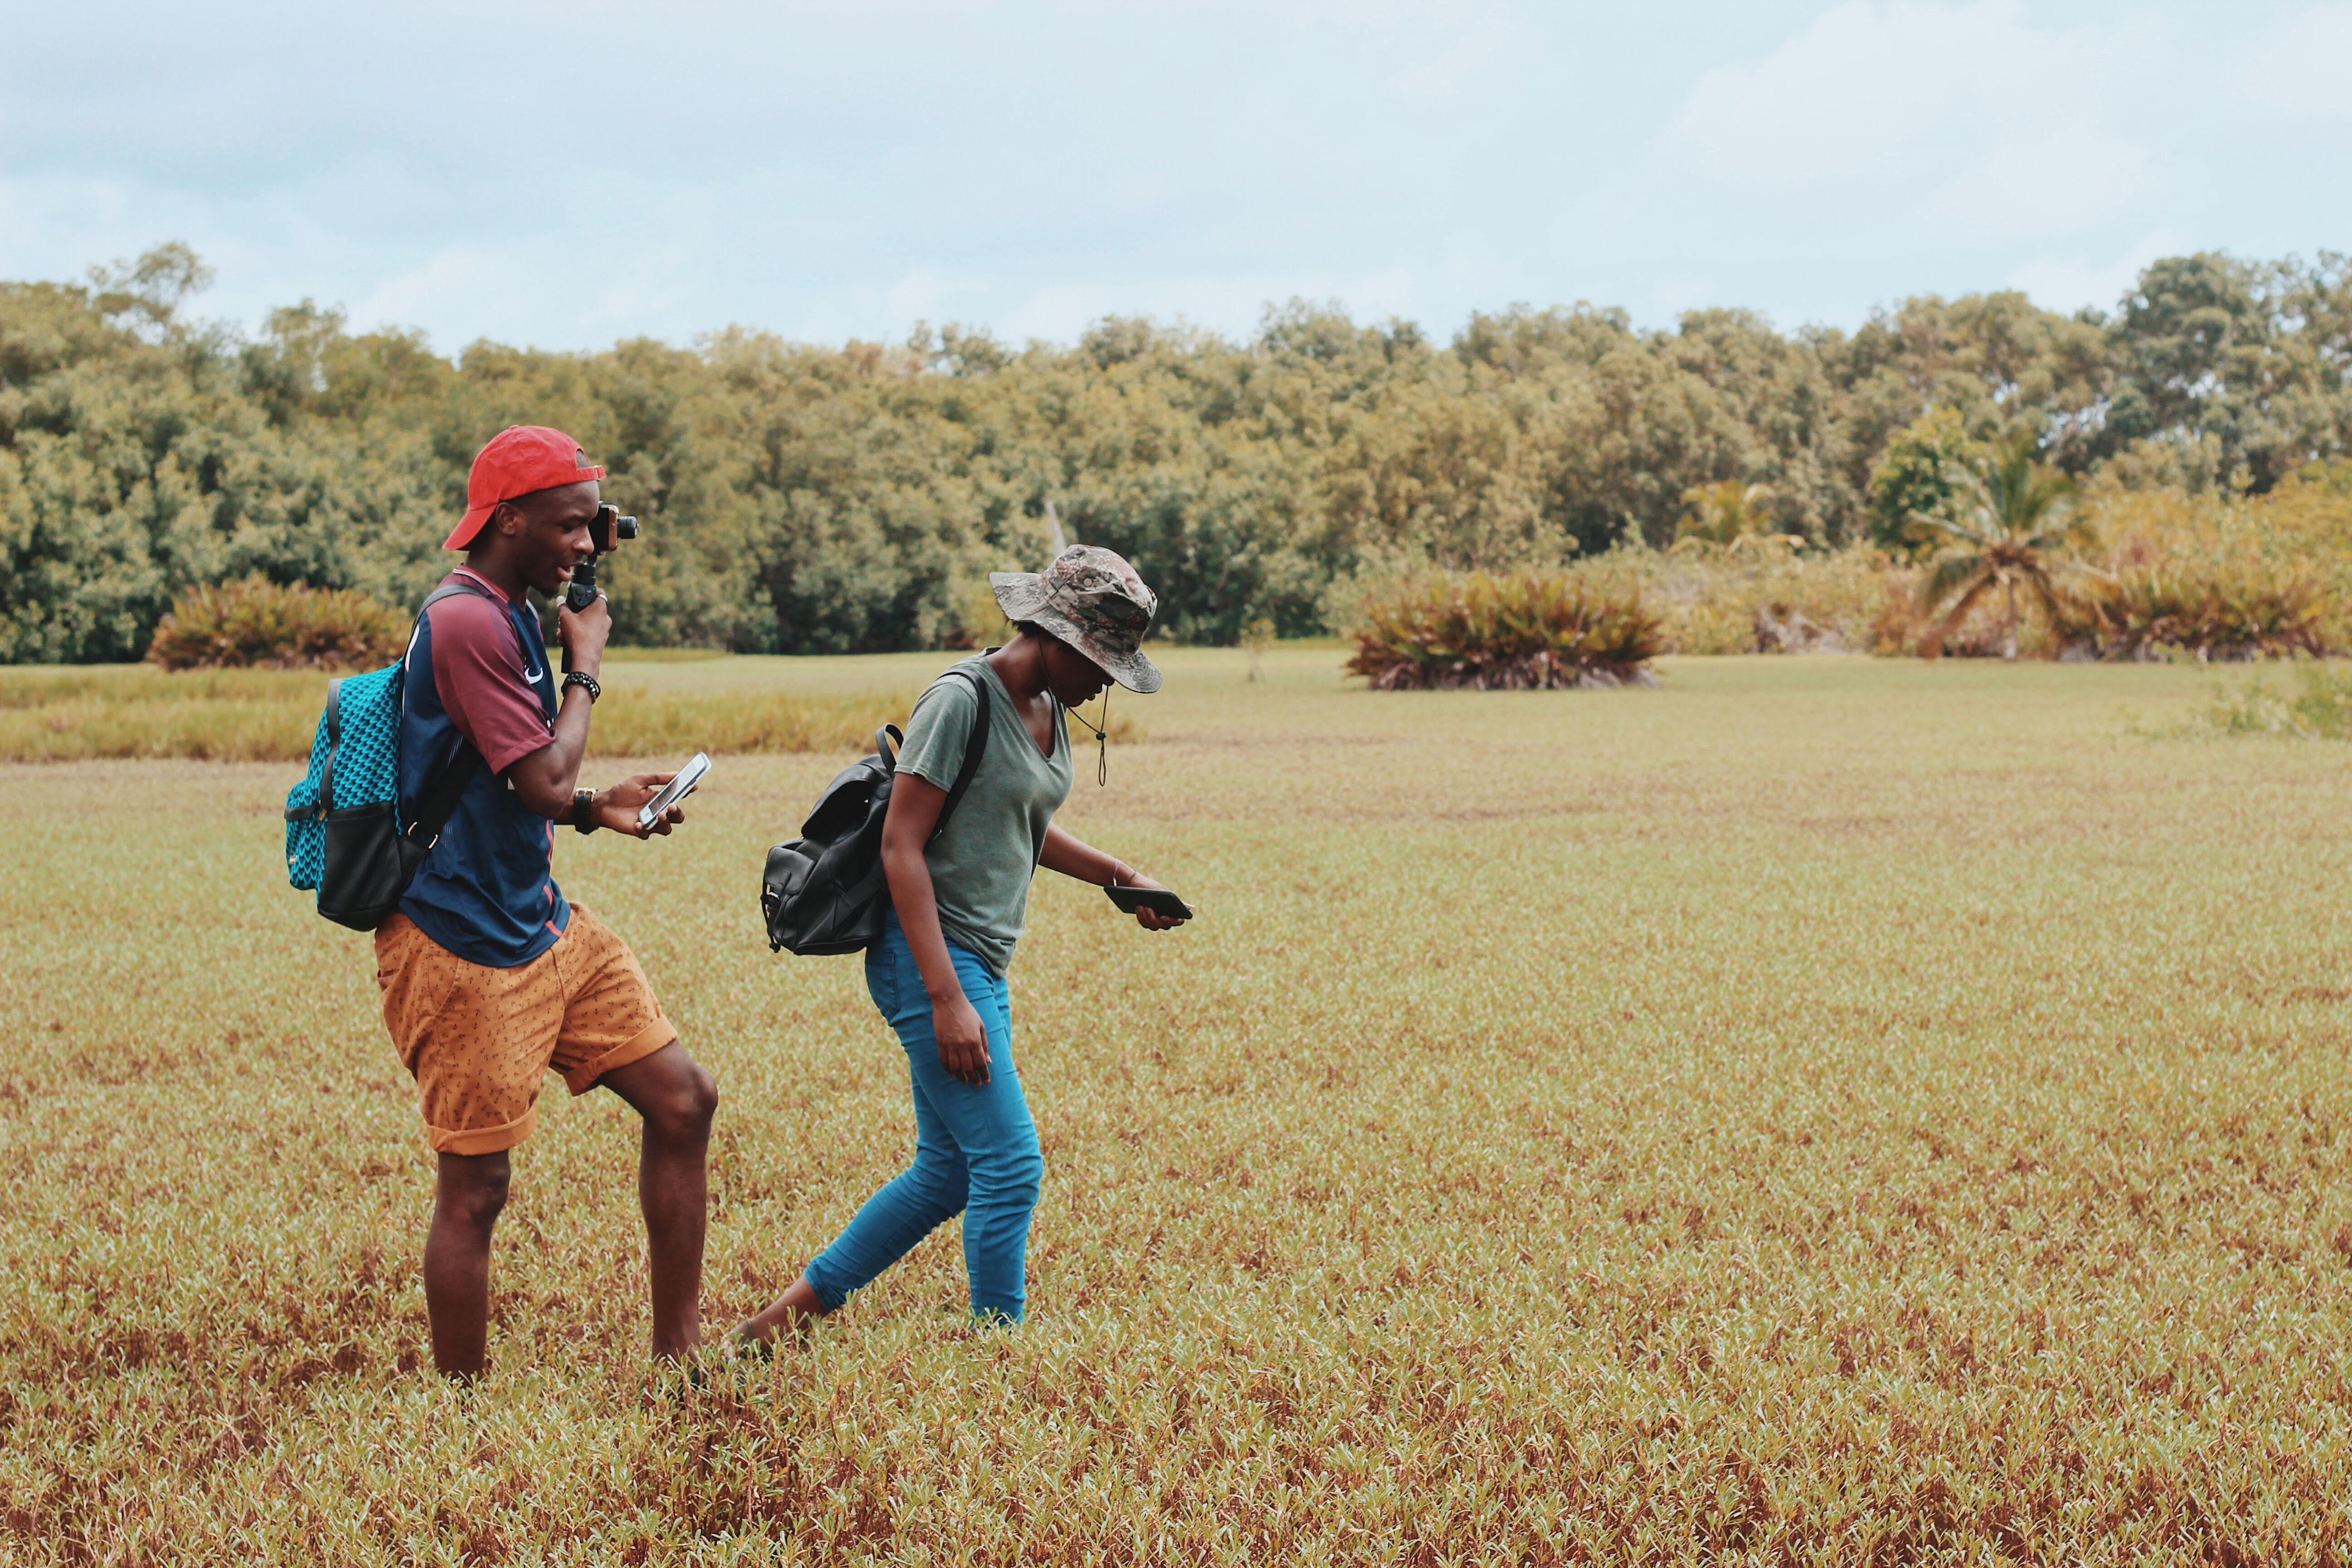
(956, 906)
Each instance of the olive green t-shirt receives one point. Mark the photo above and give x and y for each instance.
(982, 864)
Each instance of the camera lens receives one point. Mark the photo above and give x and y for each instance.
(625, 528)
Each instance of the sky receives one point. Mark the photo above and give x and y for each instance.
(566, 175)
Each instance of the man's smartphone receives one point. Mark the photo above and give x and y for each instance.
(680, 785)
(1158, 901)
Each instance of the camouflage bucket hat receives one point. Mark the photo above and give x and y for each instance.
(1091, 599)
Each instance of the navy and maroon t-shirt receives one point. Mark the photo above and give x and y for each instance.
(477, 671)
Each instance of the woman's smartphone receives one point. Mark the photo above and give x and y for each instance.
(1158, 901)
(680, 785)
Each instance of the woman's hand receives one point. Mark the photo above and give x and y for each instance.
(915, 805)
(963, 1043)
(1087, 864)
(1152, 920)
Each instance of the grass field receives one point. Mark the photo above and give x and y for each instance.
(663, 701)
(1818, 1111)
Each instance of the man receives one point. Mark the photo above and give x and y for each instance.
(490, 978)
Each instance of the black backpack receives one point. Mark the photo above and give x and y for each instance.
(823, 892)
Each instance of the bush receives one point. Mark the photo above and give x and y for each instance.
(1762, 595)
(1527, 630)
(2217, 578)
(2320, 710)
(257, 625)
(2228, 610)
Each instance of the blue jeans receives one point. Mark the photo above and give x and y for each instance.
(975, 1149)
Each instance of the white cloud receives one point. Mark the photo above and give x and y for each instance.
(2295, 66)
(2068, 281)
(1952, 147)
(463, 287)
(565, 173)
(1882, 128)
(923, 293)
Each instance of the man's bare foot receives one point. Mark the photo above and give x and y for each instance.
(791, 1313)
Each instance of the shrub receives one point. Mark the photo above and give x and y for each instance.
(258, 624)
(2320, 710)
(1524, 631)
(2228, 610)
(2214, 577)
(1762, 595)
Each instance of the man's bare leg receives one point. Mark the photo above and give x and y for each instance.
(467, 1195)
(677, 1099)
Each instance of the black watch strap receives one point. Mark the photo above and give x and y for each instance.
(583, 805)
(583, 679)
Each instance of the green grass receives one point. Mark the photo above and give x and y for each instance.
(1818, 1110)
(2318, 707)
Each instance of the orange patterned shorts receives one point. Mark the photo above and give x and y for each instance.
(478, 1040)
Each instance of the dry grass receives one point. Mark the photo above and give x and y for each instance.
(1820, 1111)
(652, 708)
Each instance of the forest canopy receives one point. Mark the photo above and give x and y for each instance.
(806, 499)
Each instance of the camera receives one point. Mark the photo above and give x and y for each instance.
(608, 528)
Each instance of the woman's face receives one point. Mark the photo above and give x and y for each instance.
(1075, 678)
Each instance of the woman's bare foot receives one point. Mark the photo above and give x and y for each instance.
(789, 1313)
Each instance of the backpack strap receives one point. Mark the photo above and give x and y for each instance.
(975, 747)
(334, 742)
(449, 591)
(434, 811)
(439, 799)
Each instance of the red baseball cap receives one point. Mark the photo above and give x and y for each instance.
(519, 459)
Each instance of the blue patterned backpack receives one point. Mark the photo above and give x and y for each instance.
(344, 835)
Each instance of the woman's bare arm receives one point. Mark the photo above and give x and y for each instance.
(913, 812)
(1072, 856)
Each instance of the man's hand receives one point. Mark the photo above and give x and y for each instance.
(963, 1044)
(1152, 920)
(583, 634)
(617, 808)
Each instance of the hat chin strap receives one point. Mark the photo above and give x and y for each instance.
(1102, 737)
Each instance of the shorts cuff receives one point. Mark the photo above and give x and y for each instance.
(484, 1140)
(646, 1042)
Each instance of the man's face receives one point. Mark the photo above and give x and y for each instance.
(1075, 678)
(546, 532)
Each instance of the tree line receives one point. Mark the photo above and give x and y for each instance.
(807, 499)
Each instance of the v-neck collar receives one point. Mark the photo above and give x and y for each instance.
(1056, 738)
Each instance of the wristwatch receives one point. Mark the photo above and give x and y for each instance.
(580, 677)
(584, 808)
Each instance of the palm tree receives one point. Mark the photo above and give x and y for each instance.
(2012, 517)
(1724, 513)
